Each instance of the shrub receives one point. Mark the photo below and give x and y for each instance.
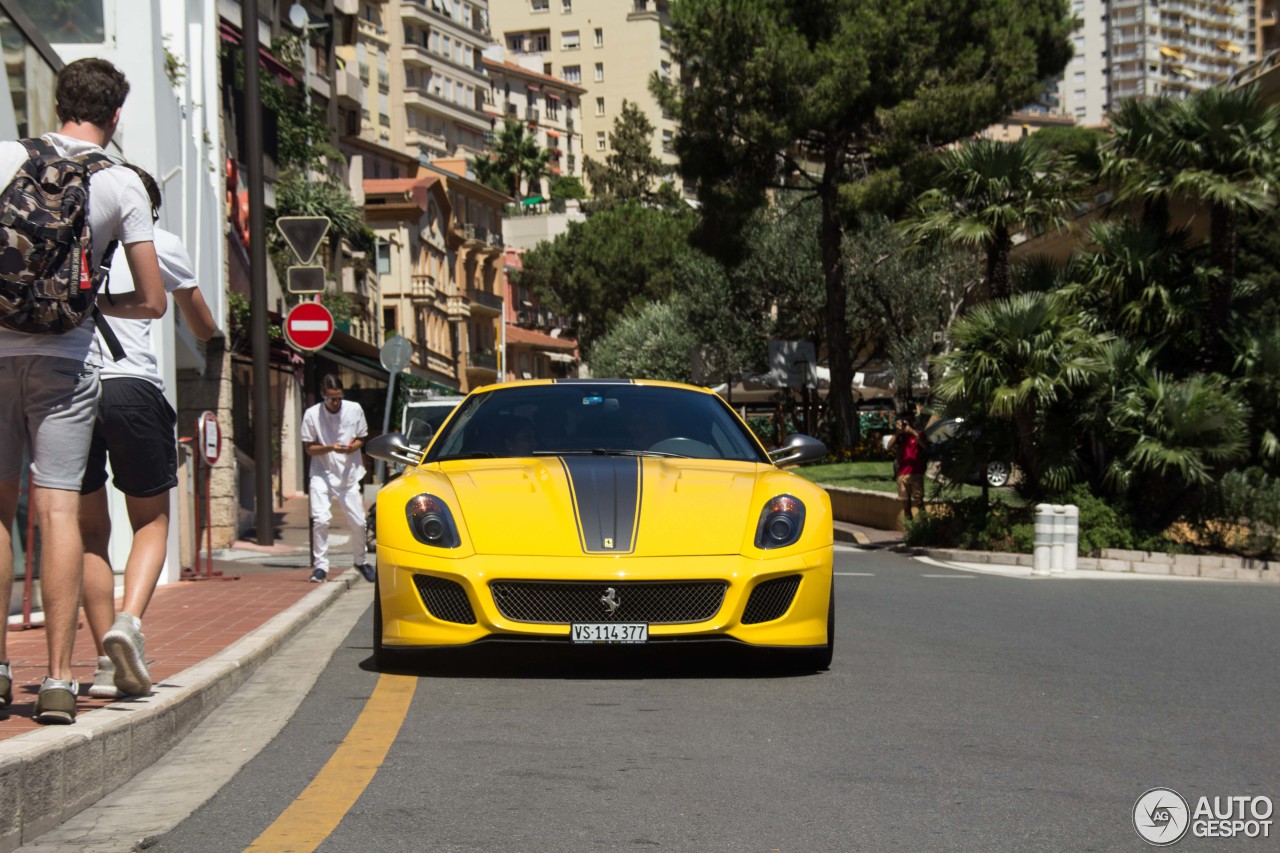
(973, 525)
(1241, 513)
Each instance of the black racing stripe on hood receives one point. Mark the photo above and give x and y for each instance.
(606, 501)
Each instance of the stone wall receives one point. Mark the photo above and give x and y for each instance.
(211, 391)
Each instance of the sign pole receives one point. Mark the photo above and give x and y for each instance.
(395, 355)
(379, 475)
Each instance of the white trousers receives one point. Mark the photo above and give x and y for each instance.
(352, 503)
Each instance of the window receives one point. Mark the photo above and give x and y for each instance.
(389, 321)
(599, 71)
(540, 5)
(384, 262)
(666, 142)
(569, 40)
(566, 6)
(664, 68)
(600, 140)
(514, 43)
(599, 106)
(542, 42)
(572, 74)
(446, 46)
(599, 37)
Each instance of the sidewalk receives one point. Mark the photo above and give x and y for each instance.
(203, 639)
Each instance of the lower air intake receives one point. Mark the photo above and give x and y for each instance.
(770, 600)
(563, 602)
(446, 600)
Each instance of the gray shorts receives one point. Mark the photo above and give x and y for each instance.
(51, 403)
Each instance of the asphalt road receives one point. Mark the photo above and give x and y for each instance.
(978, 713)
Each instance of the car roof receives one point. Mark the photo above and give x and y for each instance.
(528, 383)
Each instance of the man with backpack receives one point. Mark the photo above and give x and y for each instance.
(64, 209)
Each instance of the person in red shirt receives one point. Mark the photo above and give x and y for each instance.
(910, 457)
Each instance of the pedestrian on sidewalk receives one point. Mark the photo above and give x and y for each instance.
(136, 428)
(910, 449)
(333, 432)
(49, 377)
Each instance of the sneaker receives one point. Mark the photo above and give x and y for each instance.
(6, 686)
(56, 702)
(367, 570)
(104, 680)
(319, 576)
(126, 648)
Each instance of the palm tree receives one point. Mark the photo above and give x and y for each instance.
(1136, 159)
(1013, 359)
(515, 163)
(1226, 147)
(989, 190)
(1178, 435)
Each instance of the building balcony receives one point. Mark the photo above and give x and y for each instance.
(370, 30)
(423, 288)
(531, 115)
(458, 309)
(482, 360)
(417, 55)
(349, 89)
(488, 302)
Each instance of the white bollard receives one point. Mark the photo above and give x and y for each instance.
(1043, 540)
(1057, 551)
(1072, 544)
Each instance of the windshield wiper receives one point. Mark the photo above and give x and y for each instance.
(601, 451)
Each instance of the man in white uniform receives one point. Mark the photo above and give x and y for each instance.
(333, 432)
(49, 383)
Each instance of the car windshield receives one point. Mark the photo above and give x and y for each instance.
(421, 422)
(589, 418)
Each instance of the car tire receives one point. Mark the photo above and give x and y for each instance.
(998, 474)
(819, 659)
(384, 659)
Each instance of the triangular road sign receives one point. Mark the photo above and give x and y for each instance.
(303, 234)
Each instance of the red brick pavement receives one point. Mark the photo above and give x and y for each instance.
(186, 623)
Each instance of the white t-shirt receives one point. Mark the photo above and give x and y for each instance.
(139, 360)
(118, 210)
(319, 425)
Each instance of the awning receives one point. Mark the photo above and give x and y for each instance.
(552, 96)
(1171, 52)
(553, 134)
(533, 199)
(532, 87)
(560, 357)
(231, 35)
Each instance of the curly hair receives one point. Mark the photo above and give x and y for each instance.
(90, 90)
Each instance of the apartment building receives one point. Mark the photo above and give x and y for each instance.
(550, 106)
(608, 48)
(1144, 48)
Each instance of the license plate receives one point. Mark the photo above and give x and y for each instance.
(609, 632)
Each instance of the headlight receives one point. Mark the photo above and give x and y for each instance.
(431, 522)
(781, 522)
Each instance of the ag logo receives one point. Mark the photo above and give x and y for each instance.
(1161, 817)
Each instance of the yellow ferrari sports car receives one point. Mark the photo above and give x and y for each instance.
(601, 512)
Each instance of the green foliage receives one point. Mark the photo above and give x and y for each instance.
(516, 163)
(1241, 513)
(567, 186)
(618, 258)
(341, 305)
(863, 84)
(987, 191)
(651, 343)
(239, 315)
(630, 172)
(1014, 360)
(971, 524)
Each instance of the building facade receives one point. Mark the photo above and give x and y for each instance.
(550, 107)
(609, 49)
(1145, 48)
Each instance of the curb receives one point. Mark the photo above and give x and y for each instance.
(1133, 562)
(49, 775)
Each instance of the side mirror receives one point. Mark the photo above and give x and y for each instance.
(798, 449)
(392, 447)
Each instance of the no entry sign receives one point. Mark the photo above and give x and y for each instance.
(308, 326)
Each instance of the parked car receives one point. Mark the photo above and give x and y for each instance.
(958, 448)
(602, 512)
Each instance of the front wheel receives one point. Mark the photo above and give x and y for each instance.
(819, 659)
(384, 659)
(997, 474)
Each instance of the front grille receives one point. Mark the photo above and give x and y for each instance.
(446, 600)
(563, 602)
(770, 600)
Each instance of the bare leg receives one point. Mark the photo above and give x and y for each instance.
(150, 520)
(61, 571)
(8, 510)
(99, 582)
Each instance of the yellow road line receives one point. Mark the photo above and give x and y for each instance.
(320, 808)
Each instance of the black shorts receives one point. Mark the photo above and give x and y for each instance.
(135, 426)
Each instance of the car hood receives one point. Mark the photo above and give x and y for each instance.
(606, 505)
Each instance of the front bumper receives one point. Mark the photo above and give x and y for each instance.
(407, 622)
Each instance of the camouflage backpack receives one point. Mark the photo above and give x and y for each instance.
(46, 284)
